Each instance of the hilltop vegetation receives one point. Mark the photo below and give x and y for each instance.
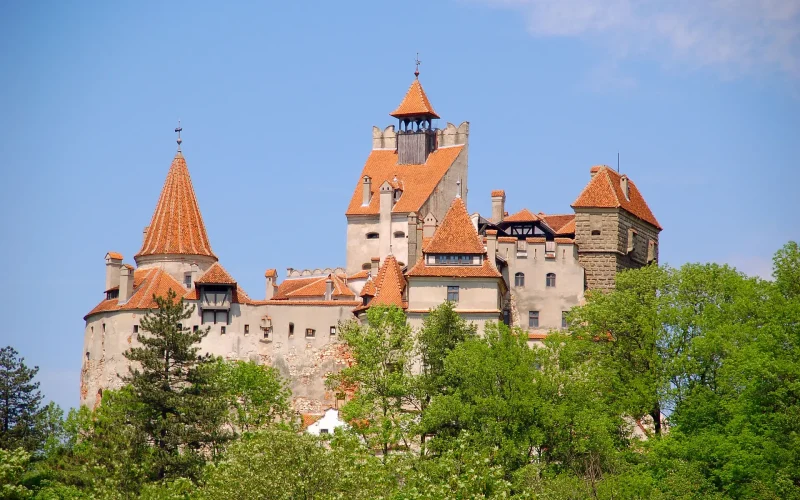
(681, 383)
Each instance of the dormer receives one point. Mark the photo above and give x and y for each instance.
(215, 289)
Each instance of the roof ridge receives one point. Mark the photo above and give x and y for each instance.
(414, 103)
(456, 234)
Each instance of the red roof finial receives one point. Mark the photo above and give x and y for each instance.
(417, 62)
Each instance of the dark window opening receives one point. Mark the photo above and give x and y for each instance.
(112, 294)
(595, 232)
(533, 319)
(564, 319)
(452, 293)
(246, 329)
(135, 328)
(310, 332)
(550, 280)
(291, 329)
(366, 266)
(194, 328)
(453, 260)
(372, 236)
(323, 431)
(187, 280)
(87, 355)
(222, 330)
(519, 280)
(399, 234)
(104, 328)
(333, 330)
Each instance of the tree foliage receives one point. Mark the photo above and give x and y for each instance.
(20, 403)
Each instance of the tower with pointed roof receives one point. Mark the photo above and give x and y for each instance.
(411, 172)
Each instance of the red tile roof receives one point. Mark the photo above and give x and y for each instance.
(415, 103)
(456, 234)
(536, 239)
(146, 282)
(416, 181)
(114, 255)
(369, 289)
(565, 241)
(498, 192)
(559, 223)
(336, 303)
(312, 287)
(271, 273)
(216, 275)
(523, 215)
(361, 275)
(177, 226)
(389, 284)
(568, 228)
(506, 239)
(485, 270)
(239, 296)
(604, 191)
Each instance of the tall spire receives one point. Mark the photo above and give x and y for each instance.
(177, 226)
(415, 104)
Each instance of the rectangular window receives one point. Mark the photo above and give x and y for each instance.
(194, 328)
(104, 328)
(246, 329)
(222, 330)
(187, 280)
(651, 251)
(180, 327)
(323, 431)
(564, 319)
(631, 239)
(135, 328)
(533, 319)
(208, 316)
(291, 329)
(310, 332)
(452, 293)
(333, 330)
(549, 249)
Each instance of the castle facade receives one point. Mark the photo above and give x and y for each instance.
(411, 242)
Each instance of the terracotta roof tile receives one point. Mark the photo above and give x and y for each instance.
(177, 226)
(389, 284)
(415, 103)
(369, 289)
(568, 228)
(217, 275)
(114, 255)
(315, 287)
(559, 222)
(498, 192)
(523, 215)
(308, 419)
(361, 275)
(456, 234)
(336, 303)
(418, 181)
(491, 231)
(565, 241)
(506, 239)
(289, 285)
(271, 273)
(604, 191)
(485, 270)
(146, 282)
(536, 239)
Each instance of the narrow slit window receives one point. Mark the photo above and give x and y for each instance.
(246, 329)
(291, 329)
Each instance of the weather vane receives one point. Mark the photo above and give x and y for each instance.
(417, 62)
(178, 129)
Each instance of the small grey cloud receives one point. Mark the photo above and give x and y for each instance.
(733, 36)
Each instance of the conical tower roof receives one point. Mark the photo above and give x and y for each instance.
(177, 226)
(456, 234)
(415, 103)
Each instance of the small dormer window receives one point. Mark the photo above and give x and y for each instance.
(397, 194)
(453, 260)
(112, 294)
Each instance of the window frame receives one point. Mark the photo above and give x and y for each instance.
(453, 292)
(547, 280)
(519, 280)
(533, 319)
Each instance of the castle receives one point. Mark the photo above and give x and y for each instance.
(410, 242)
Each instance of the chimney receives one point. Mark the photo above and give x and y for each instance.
(412, 239)
(593, 171)
(113, 261)
(366, 188)
(385, 227)
(125, 284)
(271, 276)
(328, 288)
(491, 244)
(623, 183)
(429, 226)
(498, 205)
(376, 262)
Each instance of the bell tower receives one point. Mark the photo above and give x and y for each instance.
(416, 138)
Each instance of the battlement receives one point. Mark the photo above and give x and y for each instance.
(450, 135)
(310, 273)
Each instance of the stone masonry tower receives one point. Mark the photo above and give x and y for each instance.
(614, 227)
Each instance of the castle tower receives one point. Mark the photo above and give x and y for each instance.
(176, 238)
(411, 170)
(614, 227)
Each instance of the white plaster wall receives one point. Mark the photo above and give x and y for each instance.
(474, 293)
(176, 265)
(360, 250)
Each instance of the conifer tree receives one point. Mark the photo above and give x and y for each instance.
(177, 406)
(20, 402)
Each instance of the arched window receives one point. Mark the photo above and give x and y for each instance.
(372, 236)
(519, 279)
(399, 234)
(551, 279)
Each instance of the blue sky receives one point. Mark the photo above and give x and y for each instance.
(701, 99)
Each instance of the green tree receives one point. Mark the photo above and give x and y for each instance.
(257, 395)
(786, 264)
(20, 403)
(176, 405)
(381, 373)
